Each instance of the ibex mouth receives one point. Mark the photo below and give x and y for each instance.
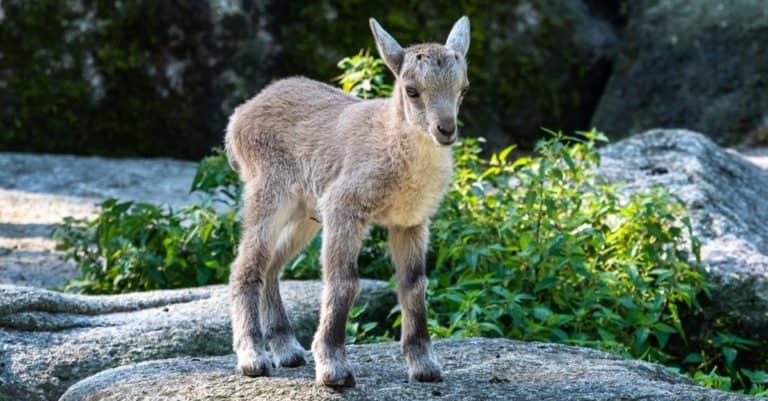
(446, 142)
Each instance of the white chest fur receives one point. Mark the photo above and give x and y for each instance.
(417, 194)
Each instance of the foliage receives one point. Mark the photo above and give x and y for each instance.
(133, 246)
(553, 254)
(146, 77)
(363, 76)
(540, 249)
(217, 180)
(125, 79)
(361, 332)
(758, 386)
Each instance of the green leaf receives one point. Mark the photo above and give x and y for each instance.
(546, 283)
(693, 358)
(730, 354)
(641, 337)
(203, 276)
(505, 152)
(541, 313)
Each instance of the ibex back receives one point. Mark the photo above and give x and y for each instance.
(311, 155)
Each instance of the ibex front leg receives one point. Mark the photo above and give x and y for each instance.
(408, 247)
(342, 235)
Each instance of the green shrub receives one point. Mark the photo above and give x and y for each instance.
(540, 248)
(364, 76)
(553, 254)
(132, 246)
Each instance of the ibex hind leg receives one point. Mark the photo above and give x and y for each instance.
(248, 277)
(286, 350)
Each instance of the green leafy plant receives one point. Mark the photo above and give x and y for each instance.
(554, 254)
(217, 180)
(540, 248)
(132, 246)
(363, 76)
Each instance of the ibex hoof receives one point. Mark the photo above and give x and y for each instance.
(289, 354)
(426, 371)
(254, 364)
(290, 361)
(335, 374)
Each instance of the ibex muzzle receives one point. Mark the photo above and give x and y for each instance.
(306, 150)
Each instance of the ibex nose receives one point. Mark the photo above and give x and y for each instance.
(446, 127)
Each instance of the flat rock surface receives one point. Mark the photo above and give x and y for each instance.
(50, 340)
(475, 369)
(727, 199)
(38, 191)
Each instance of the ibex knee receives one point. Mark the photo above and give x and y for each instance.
(412, 280)
(344, 289)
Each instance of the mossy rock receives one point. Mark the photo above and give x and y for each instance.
(693, 64)
(140, 77)
(157, 78)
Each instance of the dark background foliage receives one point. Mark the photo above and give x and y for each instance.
(159, 78)
(123, 78)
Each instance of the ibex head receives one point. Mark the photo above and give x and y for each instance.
(432, 79)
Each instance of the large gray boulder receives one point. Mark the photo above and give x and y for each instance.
(690, 64)
(475, 369)
(38, 191)
(727, 200)
(51, 340)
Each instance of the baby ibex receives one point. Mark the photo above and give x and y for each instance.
(311, 155)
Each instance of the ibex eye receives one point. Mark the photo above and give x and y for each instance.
(411, 91)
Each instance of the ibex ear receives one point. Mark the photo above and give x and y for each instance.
(389, 49)
(458, 39)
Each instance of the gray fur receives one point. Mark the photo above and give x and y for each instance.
(391, 51)
(458, 39)
(309, 153)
